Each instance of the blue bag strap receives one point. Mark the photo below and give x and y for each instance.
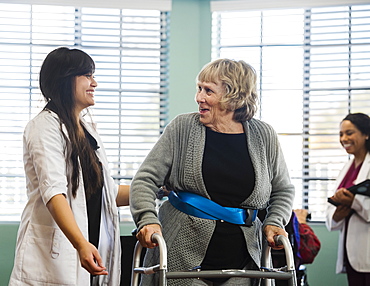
(202, 207)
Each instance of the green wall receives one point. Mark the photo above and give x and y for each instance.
(190, 46)
(322, 271)
(8, 234)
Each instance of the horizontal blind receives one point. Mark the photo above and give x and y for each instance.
(312, 71)
(130, 49)
(337, 81)
(248, 5)
(160, 5)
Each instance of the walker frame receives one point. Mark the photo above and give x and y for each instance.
(266, 273)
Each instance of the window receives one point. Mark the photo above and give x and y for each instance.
(130, 49)
(313, 69)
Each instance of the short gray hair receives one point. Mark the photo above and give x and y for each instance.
(240, 82)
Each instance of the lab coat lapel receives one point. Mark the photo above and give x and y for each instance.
(364, 171)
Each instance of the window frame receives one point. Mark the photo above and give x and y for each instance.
(139, 80)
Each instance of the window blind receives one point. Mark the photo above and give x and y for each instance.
(130, 49)
(238, 5)
(160, 5)
(312, 71)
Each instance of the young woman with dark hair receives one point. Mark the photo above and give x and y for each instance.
(69, 231)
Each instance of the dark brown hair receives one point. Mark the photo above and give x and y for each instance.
(57, 83)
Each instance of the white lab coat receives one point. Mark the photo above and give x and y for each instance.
(44, 256)
(358, 235)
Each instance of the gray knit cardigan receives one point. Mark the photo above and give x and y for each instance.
(176, 161)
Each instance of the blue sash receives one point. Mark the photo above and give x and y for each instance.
(199, 206)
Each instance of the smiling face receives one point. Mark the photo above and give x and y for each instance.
(352, 139)
(84, 91)
(208, 97)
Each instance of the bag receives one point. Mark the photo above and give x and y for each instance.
(309, 244)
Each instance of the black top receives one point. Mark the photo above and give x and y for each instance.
(94, 202)
(229, 178)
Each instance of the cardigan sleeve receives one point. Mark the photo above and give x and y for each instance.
(282, 190)
(149, 178)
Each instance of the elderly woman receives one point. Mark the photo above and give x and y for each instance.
(222, 155)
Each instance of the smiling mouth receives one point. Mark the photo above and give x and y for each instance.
(203, 110)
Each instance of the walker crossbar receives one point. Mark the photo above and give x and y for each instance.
(266, 272)
(229, 273)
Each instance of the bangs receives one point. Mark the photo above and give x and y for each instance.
(81, 63)
(87, 66)
(209, 74)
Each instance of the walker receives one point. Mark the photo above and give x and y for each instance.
(266, 272)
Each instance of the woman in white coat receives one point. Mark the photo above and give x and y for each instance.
(352, 216)
(69, 231)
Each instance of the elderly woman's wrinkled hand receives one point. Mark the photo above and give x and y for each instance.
(145, 235)
(270, 232)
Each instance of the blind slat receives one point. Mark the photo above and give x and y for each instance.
(238, 5)
(162, 5)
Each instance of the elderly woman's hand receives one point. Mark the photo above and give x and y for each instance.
(270, 232)
(145, 235)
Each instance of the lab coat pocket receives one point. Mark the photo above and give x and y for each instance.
(48, 257)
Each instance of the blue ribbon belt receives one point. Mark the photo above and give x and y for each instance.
(199, 206)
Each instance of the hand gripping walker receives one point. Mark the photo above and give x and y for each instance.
(266, 272)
